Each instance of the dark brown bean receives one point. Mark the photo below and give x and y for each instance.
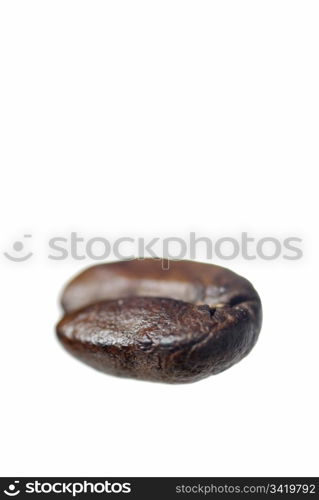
(138, 319)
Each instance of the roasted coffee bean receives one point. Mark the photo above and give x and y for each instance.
(169, 321)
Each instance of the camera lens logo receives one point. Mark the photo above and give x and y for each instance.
(18, 246)
(13, 491)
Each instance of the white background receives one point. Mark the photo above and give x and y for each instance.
(158, 118)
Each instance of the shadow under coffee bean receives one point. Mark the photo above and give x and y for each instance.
(175, 323)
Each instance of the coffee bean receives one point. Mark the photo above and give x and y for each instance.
(139, 319)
